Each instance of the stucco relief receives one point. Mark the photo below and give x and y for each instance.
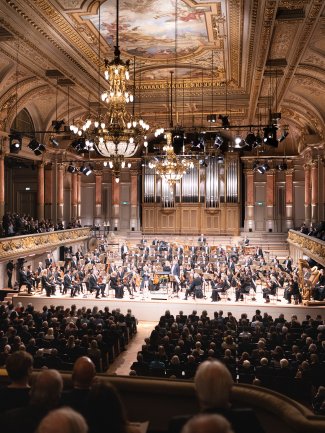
(315, 247)
(282, 40)
(28, 244)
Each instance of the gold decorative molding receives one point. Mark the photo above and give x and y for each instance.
(311, 246)
(19, 246)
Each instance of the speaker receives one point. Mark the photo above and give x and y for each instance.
(61, 253)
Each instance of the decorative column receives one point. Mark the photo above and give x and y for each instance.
(60, 191)
(307, 195)
(314, 192)
(250, 201)
(116, 193)
(2, 186)
(270, 200)
(48, 176)
(134, 201)
(74, 195)
(40, 191)
(98, 198)
(289, 198)
(79, 176)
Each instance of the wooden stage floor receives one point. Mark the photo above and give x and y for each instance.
(151, 306)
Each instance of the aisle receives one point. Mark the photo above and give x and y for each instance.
(123, 362)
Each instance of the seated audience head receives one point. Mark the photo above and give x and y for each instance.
(207, 424)
(105, 410)
(83, 372)
(46, 389)
(213, 383)
(19, 367)
(63, 420)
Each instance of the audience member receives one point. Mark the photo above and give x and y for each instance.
(64, 420)
(207, 424)
(45, 395)
(19, 367)
(213, 383)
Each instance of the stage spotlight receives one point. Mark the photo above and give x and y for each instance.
(224, 121)
(270, 136)
(239, 143)
(33, 144)
(282, 167)
(212, 118)
(79, 144)
(54, 141)
(263, 168)
(250, 139)
(15, 143)
(258, 140)
(71, 168)
(56, 124)
(85, 170)
(39, 150)
(36, 147)
(218, 141)
(283, 136)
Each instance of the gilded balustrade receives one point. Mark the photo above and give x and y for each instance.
(18, 246)
(310, 246)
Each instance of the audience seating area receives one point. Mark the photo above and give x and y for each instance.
(284, 355)
(56, 337)
(14, 224)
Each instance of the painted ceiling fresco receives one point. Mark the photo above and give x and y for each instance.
(147, 28)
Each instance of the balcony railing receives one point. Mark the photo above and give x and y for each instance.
(308, 245)
(19, 246)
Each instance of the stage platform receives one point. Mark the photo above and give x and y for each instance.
(150, 308)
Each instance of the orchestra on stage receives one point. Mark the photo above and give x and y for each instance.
(197, 271)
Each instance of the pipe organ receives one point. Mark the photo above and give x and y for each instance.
(205, 200)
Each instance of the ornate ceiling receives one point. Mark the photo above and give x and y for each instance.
(242, 58)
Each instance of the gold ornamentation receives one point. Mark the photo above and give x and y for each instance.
(312, 246)
(21, 245)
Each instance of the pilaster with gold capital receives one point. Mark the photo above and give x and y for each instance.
(98, 196)
(74, 195)
(48, 188)
(307, 169)
(270, 200)
(134, 201)
(116, 197)
(314, 191)
(249, 222)
(40, 191)
(60, 191)
(289, 198)
(2, 185)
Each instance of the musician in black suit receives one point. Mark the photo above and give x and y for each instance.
(195, 284)
(124, 251)
(94, 285)
(68, 284)
(47, 284)
(10, 268)
(202, 239)
(48, 261)
(288, 264)
(176, 272)
(23, 279)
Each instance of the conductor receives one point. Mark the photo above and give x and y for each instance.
(202, 239)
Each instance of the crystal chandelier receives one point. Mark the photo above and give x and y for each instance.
(171, 167)
(114, 132)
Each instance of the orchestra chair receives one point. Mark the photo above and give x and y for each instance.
(250, 295)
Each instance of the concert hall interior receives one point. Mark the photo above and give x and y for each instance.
(166, 155)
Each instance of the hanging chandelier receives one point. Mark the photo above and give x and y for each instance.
(171, 167)
(114, 132)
